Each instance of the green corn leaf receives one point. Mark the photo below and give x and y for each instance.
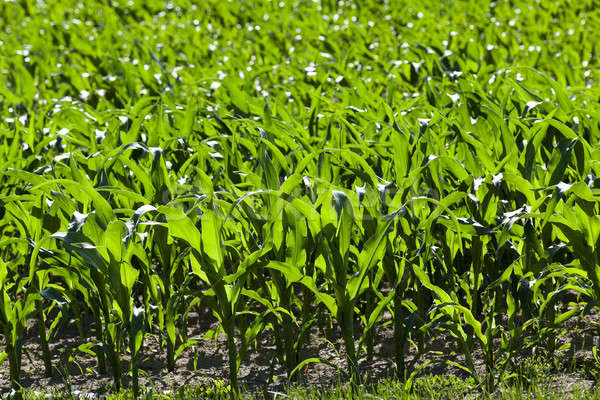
(137, 326)
(566, 148)
(371, 254)
(211, 238)
(129, 275)
(293, 274)
(79, 243)
(467, 226)
(181, 226)
(103, 210)
(345, 214)
(113, 239)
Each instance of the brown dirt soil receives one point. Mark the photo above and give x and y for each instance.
(260, 372)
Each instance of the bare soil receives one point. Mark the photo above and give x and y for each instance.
(206, 361)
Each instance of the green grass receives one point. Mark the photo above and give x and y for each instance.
(287, 166)
(426, 387)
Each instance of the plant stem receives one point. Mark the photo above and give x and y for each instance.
(44, 341)
(99, 337)
(348, 336)
(115, 361)
(15, 370)
(134, 365)
(232, 352)
(399, 335)
(369, 307)
(170, 355)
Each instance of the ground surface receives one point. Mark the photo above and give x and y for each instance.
(206, 361)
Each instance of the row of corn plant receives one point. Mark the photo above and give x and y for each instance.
(299, 172)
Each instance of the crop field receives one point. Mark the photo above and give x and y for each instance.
(263, 193)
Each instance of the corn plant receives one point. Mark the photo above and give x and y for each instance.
(17, 304)
(207, 262)
(294, 168)
(115, 276)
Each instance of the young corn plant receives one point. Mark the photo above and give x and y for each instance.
(288, 247)
(168, 306)
(207, 260)
(30, 214)
(17, 305)
(114, 275)
(346, 282)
